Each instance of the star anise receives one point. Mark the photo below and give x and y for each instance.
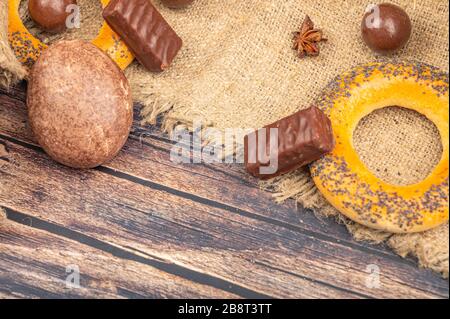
(307, 39)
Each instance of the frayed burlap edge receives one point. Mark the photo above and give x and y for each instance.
(297, 185)
(158, 110)
(426, 247)
(11, 71)
(423, 246)
(155, 107)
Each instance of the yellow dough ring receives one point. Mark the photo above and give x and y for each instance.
(346, 182)
(27, 48)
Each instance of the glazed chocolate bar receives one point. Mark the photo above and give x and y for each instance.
(288, 144)
(152, 40)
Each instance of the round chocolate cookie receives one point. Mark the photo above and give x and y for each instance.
(79, 104)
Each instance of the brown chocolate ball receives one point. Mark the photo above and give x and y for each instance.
(79, 104)
(386, 28)
(176, 4)
(50, 15)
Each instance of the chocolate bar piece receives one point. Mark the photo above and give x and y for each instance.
(151, 39)
(288, 144)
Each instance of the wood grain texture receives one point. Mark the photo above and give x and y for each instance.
(152, 222)
(208, 219)
(33, 264)
(146, 158)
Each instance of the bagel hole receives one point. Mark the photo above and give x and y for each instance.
(91, 21)
(398, 145)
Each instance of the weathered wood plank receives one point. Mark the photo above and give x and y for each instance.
(266, 258)
(33, 264)
(148, 159)
(143, 160)
(17, 92)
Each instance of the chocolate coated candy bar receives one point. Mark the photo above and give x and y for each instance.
(154, 43)
(288, 144)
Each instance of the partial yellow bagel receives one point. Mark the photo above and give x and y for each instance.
(343, 178)
(28, 48)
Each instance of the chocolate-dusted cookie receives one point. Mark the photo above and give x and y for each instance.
(79, 104)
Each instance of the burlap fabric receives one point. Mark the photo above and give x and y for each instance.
(237, 70)
(10, 70)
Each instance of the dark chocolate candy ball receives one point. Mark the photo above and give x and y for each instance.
(50, 15)
(386, 28)
(176, 4)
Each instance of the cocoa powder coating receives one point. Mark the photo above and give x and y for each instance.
(79, 104)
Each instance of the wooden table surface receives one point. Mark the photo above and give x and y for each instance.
(142, 226)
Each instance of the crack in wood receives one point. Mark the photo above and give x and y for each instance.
(122, 253)
(205, 201)
(229, 209)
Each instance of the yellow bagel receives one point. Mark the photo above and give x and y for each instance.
(343, 178)
(27, 48)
